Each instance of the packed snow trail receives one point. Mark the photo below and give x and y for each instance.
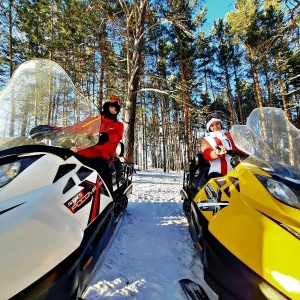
(152, 250)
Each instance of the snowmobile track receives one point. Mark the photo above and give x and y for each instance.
(117, 225)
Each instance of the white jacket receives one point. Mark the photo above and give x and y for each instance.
(222, 164)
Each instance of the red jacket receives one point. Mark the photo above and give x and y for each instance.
(115, 130)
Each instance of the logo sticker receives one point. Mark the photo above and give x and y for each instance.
(87, 194)
(210, 193)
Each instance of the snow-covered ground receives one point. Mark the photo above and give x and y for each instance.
(152, 249)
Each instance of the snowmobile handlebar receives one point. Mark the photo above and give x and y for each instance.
(236, 155)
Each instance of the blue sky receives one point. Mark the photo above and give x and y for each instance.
(217, 9)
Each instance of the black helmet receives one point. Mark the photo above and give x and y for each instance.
(112, 101)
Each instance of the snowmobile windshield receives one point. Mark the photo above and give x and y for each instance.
(270, 139)
(40, 93)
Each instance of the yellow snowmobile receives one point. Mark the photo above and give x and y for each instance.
(246, 225)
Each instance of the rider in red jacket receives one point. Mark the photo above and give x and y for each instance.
(111, 132)
(100, 157)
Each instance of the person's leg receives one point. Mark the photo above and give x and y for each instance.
(102, 167)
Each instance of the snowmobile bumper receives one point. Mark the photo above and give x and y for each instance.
(229, 277)
(232, 279)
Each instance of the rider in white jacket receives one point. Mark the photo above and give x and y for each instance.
(214, 147)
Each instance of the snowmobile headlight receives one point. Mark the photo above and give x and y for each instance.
(12, 169)
(280, 191)
(9, 171)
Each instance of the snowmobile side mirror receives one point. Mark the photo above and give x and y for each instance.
(40, 131)
(120, 149)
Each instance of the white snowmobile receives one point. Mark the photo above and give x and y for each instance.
(57, 215)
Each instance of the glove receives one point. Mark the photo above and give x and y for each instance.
(220, 150)
(103, 138)
(40, 131)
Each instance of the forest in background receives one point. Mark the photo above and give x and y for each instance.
(155, 55)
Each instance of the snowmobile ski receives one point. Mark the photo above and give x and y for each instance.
(193, 290)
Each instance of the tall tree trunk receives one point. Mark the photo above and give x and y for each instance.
(269, 87)
(164, 157)
(144, 142)
(135, 27)
(282, 92)
(187, 125)
(259, 100)
(11, 66)
(11, 69)
(229, 95)
(239, 97)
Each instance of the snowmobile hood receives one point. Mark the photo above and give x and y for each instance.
(37, 220)
(39, 232)
(260, 231)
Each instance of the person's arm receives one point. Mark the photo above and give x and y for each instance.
(208, 152)
(115, 131)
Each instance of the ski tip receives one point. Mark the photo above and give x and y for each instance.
(185, 280)
(193, 290)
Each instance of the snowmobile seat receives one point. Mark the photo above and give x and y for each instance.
(200, 178)
(200, 172)
(194, 177)
(120, 149)
(116, 170)
(195, 165)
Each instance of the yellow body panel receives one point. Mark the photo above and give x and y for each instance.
(249, 227)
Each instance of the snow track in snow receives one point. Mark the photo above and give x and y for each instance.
(152, 249)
